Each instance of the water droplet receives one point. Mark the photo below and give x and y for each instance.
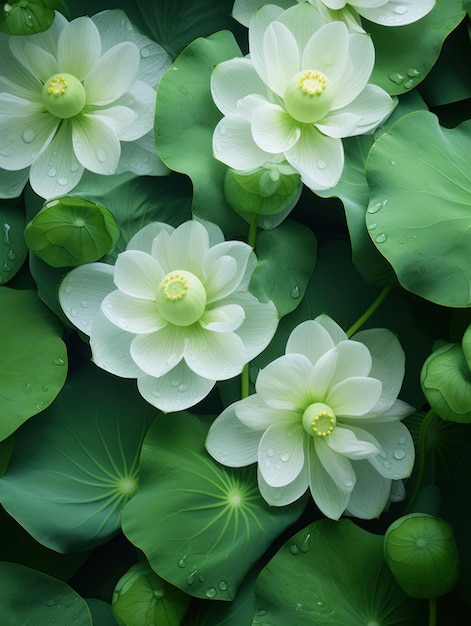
(401, 9)
(182, 388)
(74, 167)
(348, 483)
(84, 304)
(222, 585)
(270, 453)
(63, 181)
(409, 83)
(393, 163)
(101, 155)
(45, 388)
(50, 602)
(319, 603)
(27, 388)
(59, 361)
(155, 394)
(52, 172)
(145, 53)
(294, 549)
(182, 562)
(201, 578)
(183, 90)
(413, 72)
(11, 255)
(321, 165)
(68, 289)
(28, 135)
(396, 78)
(305, 543)
(399, 454)
(294, 293)
(190, 579)
(174, 382)
(381, 238)
(210, 592)
(374, 208)
(387, 465)
(372, 226)
(6, 233)
(402, 440)
(284, 457)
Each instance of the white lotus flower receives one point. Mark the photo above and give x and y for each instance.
(324, 416)
(384, 12)
(303, 87)
(174, 312)
(79, 96)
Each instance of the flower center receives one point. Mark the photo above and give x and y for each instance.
(319, 419)
(308, 96)
(63, 95)
(181, 298)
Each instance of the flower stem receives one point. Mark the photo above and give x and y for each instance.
(432, 612)
(244, 382)
(252, 236)
(369, 311)
(421, 458)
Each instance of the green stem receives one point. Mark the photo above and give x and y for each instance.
(244, 382)
(421, 458)
(432, 612)
(369, 311)
(253, 230)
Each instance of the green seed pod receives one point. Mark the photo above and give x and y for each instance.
(421, 553)
(71, 231)
(446, 381)
(266, 190)
(26, 17)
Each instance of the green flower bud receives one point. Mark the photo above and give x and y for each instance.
(26, 17)
(446, 382)
(421, 553)
(70, 231)
(181, 298)
(142, 597)
(308, 96)
(63, 95)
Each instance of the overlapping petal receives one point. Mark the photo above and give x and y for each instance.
(159, 352)
(138, 274)
(78, 47)
(233, 80)
(282, 385)
(395, 12)
(95, 144)
(273, 129)
(230, 442)
(281, 454)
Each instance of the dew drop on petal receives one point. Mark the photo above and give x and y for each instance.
(52, 172)
(145, 53)
(182, 388)
(63, 181)
(400, 9)
(321, 165)
(28, 135)
(101, 155)
(399, 454)
(284, 457)
(402, 440)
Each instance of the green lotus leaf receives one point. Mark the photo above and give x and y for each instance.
(33, 358)
(141, 597)
(31, 597)
(75, 466)
(404, 55)
(200, 525)
(332, 574)
(26, 17)
(286, 259)
(419, 214)
(71, 231)
(421, 553)
(14, 250)
(185, 119)
(446, 383)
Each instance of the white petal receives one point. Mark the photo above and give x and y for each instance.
(214, 355)
(334, 330)
(302, 20)
(327, 52)
(331, 500)
(132, 314)
(336, 4)
(370, 108)
(398, 411)
(113, 74)
(322, 374)
(225, 318)
(398, 12)
(354, 396)
(12, 183)
(335, 464)
(42, 64)
(354, 359)
(282, 496)
(225, 266)
(281, 57)
(82, 291)
(282, 383)
(95, 143)
(233, 80)
(177, 390)
(16, 77)
(259, 325)
(230, 442)
(397, 458)
(111, 348)
(370, 494)
(339, 124)
(160, 352)
(244, 10)
(361, 58)
(79, 47)
(258, 26)
(144, 238)
(184, 249)
(344, 441)
(273, 129)
(56, 171)
(234, 145)
(140, 157)
(281, 454)
(257, 415)
(119, 118)
(140, 99)
(138, 274)
(311, 339)
(26, 129)
(318, 158)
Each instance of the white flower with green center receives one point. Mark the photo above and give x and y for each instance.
(325, 416)
(79, 96)
(303, 88)
(174, 312)
(384, 12)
